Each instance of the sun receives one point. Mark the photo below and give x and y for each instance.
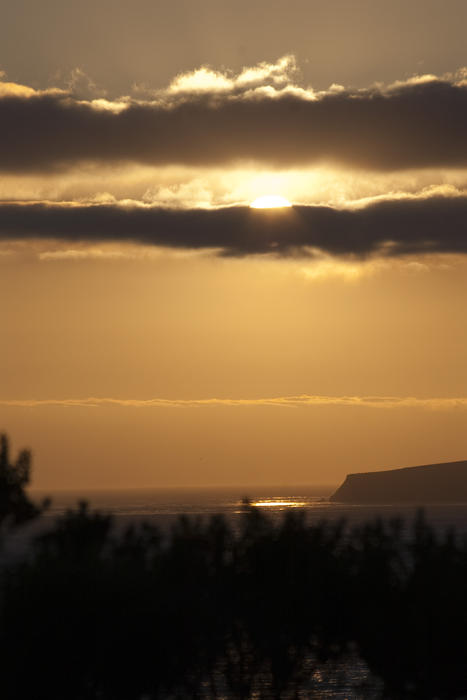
(270, 201)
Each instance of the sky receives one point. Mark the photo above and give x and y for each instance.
(157, 330)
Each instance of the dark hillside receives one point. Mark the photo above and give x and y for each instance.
(431, 483)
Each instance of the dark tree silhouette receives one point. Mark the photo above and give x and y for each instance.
(15, 506)
(256, 609)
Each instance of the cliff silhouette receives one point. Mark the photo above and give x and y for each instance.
(430, 483)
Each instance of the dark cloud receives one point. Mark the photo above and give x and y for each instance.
(387, 227)
(414, 125)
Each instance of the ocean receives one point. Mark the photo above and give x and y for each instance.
(161, 507)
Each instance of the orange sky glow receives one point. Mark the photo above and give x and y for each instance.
(160, 330)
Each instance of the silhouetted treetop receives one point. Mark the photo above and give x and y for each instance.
(15, 506)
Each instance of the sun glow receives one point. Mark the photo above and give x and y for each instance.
(270, 201)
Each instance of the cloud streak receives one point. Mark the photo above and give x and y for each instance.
(207, 118)
(301, 400)
(387, 227)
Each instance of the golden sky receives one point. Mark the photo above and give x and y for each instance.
(158, 331)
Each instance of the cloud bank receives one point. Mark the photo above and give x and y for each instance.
(208, 118)
(387, 227)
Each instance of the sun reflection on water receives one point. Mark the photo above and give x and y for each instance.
(274, 503)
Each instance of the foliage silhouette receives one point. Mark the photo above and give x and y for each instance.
(213, 611)
(15, 506)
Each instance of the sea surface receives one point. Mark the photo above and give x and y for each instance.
(348, 679)
(163, 506)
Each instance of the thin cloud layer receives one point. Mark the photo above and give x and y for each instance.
(388, 227)
(302, 400)
(209, 118)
